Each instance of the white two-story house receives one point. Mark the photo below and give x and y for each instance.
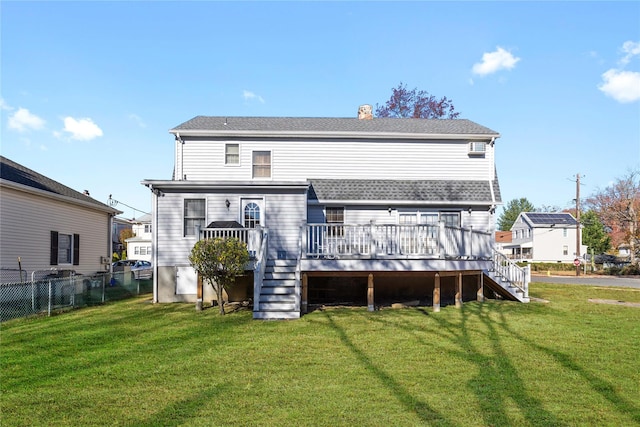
(139, 246)
(360, 210)
(545, 237)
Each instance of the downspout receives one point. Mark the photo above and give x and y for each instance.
(491, 224)
(110, 243)
(154, 240)
(180, 172)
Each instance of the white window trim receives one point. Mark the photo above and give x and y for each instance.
(184, 218)
(263, 178)
(233, 165)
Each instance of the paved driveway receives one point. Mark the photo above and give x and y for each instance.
(623, 282)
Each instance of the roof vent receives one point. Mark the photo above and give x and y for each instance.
(365, 112)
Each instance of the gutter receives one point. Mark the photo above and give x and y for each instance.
(334, 134)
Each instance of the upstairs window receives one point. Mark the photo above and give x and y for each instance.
(147, 228)
(261, 164)
(232, 154)
(194, 216)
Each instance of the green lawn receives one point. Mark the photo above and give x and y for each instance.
(566, 362)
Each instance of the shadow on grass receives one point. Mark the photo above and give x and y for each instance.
(421, 409)
(499, 381)
(600, 386)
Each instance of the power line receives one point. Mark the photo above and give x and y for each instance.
(113, 203)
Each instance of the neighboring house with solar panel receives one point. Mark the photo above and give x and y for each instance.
(360, 210)
(49, 226)
(545, 237)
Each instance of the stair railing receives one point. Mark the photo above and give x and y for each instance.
(258, 272)
(517, 276)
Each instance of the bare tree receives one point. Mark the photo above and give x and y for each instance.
(618, 207)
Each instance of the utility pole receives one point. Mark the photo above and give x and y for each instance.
(577, 261)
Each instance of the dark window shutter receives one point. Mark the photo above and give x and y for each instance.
(53, 257)
(76, 249)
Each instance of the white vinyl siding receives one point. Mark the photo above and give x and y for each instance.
(295, 160)
(283, 214)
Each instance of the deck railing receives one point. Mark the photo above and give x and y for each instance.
(251, 236)
(517, 276)
(394, 241)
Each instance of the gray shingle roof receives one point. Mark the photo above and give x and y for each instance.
(327, 124)
(433, 191)
(14, 172)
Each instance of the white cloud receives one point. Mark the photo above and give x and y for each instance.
(623, 86)
(630, 49)
(248, 96)
(4, 105)
(22, 120)
(81, 129)
(495, 61)
(620, 84)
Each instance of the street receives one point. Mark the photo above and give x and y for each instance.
(623, 282)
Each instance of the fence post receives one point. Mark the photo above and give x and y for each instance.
(104, 279)
(49, 305)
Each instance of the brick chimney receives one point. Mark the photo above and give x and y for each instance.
(365, 112)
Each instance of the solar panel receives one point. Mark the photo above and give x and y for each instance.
(542, 218)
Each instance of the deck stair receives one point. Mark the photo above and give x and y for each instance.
(507, 279)
(278, 293)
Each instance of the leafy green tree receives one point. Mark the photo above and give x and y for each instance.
(405, 103)
(512, 210)
(219, 261)
(594, 234)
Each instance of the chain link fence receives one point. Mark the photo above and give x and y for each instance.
(47, 291)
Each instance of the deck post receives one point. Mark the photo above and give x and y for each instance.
(480, 293)
(436, 294)
(370, 301)
(305, 293)
(459, 290)
(199, 294)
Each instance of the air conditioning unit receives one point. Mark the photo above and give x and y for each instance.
(477, 148)
(104, 260)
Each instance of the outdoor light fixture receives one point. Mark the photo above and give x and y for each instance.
(389, 209)
(227, 203)
(470, 211)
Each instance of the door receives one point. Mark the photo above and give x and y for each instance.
(252, 214)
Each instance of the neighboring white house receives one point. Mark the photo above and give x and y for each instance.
(139, 246)
(545, 237)
(332, 209)
(49, 226)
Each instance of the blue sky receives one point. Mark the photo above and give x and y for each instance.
(89, 90)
